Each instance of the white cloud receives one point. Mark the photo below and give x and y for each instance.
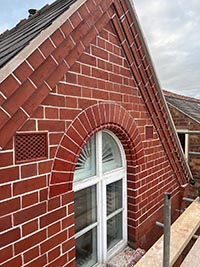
(172, 30)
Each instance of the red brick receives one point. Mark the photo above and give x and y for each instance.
(94, 16)
(88, 59)
(75, 19)
(35, 59)
(76, 67)
(53, 254)
(46, 48)
(53, 203)
(9, 85)
(75, 136)
(29, 242)
(67, 222)
(2, 98)
(85, 103)
(60, 165)
(30, 199)
(54, 100)
(71, 232)
(29, 185)
(39, 113)
(43, 194)
(90, 5)
(51, 113)
(68, 114)
(63, 50)
(3, 117)
(23, 71)
(6, 254)
(86, 70)
(91, 118)
(87, 81)
(17, 262)
(55, 138)
(57, 74)
(31, 254)
(41, 261)
(50, 125)
(97, 73)
(68, 245)
(45, 167)
(74, 54)
(54, 229)
(71, 264)
(29, 213)
(53, 241)
(98, 52)
(69, 89)
(6, 159)
(29, 227)
(9, 237)
(66, 155)
(5, 223)
(58, 178)
(67, 198)
(43, 71)
(71, 254)
(57, 37)
(52, 217)
(11, 127)
(9, 174)
(71, 102)
(28, 170)
(100, 24)
(30, 125)
(66, 28)
(5, 191)
(9, 206)
(59, 189)
(61, 261)
(100, 94)
(80, 32)
(19, 97)
(53, 151)
(71, 208)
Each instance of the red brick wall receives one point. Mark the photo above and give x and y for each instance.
(98, 92)
(182, 121)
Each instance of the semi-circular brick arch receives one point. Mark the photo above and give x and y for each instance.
(101, 116)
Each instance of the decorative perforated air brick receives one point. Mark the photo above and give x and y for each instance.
(30, 147)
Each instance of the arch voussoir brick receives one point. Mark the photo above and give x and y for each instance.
(105, 115)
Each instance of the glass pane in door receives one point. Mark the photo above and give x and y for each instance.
(114, 196)
(85, 208)
(86, 249)
(114, 230)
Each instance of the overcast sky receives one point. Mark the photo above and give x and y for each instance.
(171, 29)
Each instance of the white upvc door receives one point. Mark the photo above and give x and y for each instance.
(100, 200)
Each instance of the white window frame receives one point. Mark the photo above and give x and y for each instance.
(185, 131)
(101, 180)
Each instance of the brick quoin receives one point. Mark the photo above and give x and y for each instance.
(88, 75)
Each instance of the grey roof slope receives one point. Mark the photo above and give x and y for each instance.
(189, 107)
(14, 40)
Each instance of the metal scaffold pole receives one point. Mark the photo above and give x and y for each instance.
(167, 225)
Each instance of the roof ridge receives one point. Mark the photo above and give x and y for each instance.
(182, 97)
